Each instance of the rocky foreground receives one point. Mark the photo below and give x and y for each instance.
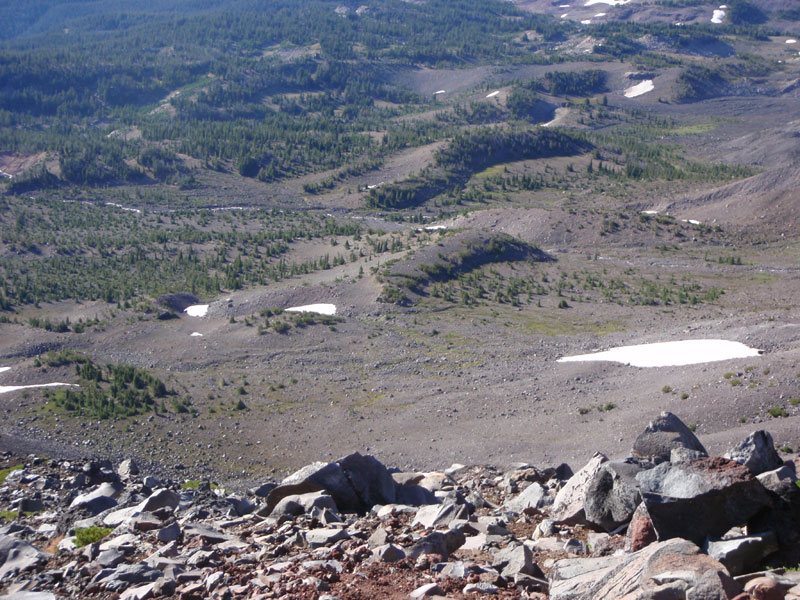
(667, 523)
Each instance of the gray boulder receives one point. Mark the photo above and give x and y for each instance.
(515, 559)
(121, 578)
(534, 496)
(163, 498)
(568, 506)
(440, 515)
(756, 452)
(99, 499)
(612, 495)
(437, 543)
(663, 434)
(291, 506)
(18, 555)
(673, 569)
(742, 554)
(700, 498)
(355, 482)
(127, 469)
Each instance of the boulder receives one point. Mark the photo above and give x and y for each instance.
(18, 555)
(665, 570)
(700, 498)
(641, 532)
(291, 506)
(388, 553)
(355, 482)
(127, 469)
(515, 559)
(317, 538)
(437, 543)
(439, 515)
(568, 505)
(163, 498)
(612, 495)
(121, 578)
(534, 496)
(742, 554)
(99, 499)
(663, 434)
(756, 452)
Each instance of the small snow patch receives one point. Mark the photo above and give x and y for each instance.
(435, 227)
(437, 92)
(4, 389)
(640, 88)
(322, 309)
(563, 6)
(493, 94)
(195, 334)
(669, 354)
(609, 2)
(4, 369)
(586, 22)
(718, 16)
(649, 212)
(600, 15)
(197, 310)
(791, 41)
(119, 206)
(692, 221)
(564, 16)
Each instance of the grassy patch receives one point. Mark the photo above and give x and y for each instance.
(4, 472)
(90, 535)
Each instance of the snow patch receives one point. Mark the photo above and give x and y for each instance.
(564, 16)
(4, 369)
(649, 212)
(437, 92)
(435, 227)
(640, 88)
(195, 334)
(197, 310)
(791, 41)
(586, 22)
(669, 354)
(119, 206)
(322, 309)
(600, 15)
(718, 16)
(493, 94)
(609, 2)
(4, 389)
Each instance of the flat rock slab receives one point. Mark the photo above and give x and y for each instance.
(670, 569)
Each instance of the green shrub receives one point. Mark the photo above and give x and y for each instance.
(90, 535)
(778, 411)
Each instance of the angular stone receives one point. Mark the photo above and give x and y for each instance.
(664, 570)
(316, 538)
(99, 499)
(371, 480)
(388, 553)
(700, 498)
(756, 452)
(108, 559)
(439, 515)
(163, 498)
(661, 436)
(568, 506)
(483, 587)
(437, 543)
(126, 575)
(18, 555)
(641, 532)
(169, 533)
(294, 505)
(612, 495)
(127, 469)
(425, 591)
(209, 535)
(742, 554)
(515, 559)
(534, 496)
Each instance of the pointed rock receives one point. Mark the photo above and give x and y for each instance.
(661, 436)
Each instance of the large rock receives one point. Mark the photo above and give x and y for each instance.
(101, 498)
(299, 504)
(437, 543)
(700, 498)
(534, 496)
(568, 506)
(663, 434)
(612, 495)
(356, 483)
(18, 555)
(756, 452)
(742, 554)
(674, 569)
(439, 515)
